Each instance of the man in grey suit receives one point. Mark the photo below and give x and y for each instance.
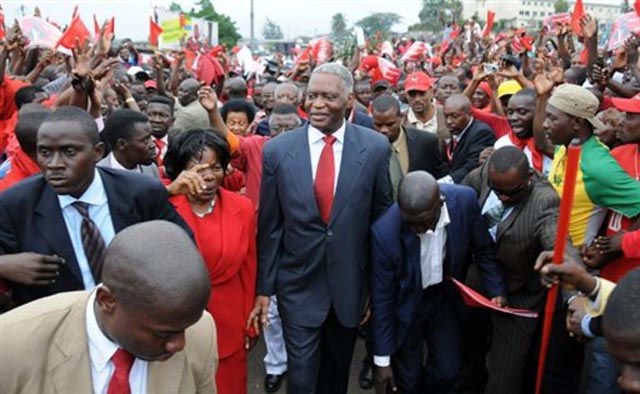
(322, 186)
(128, 135)
(521, 210)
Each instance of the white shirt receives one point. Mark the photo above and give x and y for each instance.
(432, 250)
(96, 197)
(316, 145)
(546, 160)
(101, 349)
(491, 201)
(432, 253)
(114, 163)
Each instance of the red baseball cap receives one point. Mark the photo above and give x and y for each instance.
(419, 81)
(151, 84)
(631, 105)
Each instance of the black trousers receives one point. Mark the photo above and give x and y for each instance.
(319, 358)
(438, 324)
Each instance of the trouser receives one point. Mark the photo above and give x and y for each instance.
(319, 358)
(600, 372)
(275, 362)
(437, 324)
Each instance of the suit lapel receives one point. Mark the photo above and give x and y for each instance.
(122, 211)
(412, 248)
(300, 171)
(484, 188)
(350, 168)
(50, 223)
(166, 376)
(70, 364)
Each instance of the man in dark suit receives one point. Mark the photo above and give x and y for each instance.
(469, 137)
(54, 227)
(412, 149)
(313, 243)
(521, 211)
(428, 236)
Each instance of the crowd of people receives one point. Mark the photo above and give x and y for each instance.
(153, 224)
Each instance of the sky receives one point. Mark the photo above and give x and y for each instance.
(295, 17)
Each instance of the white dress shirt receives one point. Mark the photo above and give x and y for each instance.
(491, 201)
(101, 349)
(96, 197)
(316, 144)
(432, 253)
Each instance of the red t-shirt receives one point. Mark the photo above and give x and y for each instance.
(499, 124)
(628, 158)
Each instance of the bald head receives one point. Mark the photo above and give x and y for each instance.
(457, 113)
(188, 91)
(235, 88)
(458, 102)
(418, 191)
(154, 261)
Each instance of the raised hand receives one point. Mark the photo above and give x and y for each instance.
(208, 98)
(589, 26)
(81, 59)
(543, 85)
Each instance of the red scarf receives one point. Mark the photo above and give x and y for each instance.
(537, 158)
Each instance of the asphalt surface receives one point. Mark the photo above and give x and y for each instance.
(256, 370)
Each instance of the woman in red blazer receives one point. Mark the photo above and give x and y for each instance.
(224, 226)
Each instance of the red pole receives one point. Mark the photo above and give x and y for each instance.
(566, 202)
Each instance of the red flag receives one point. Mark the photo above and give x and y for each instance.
(2, 33)
(111, 26)
(636, 6)
(576, 15)
(527, 42)
(154, 32)
(489, 26)
(96, 26)
(76, 31)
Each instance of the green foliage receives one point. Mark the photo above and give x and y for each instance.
(431, 14)
(271, 30)
(227, 31)
(338, 26)
(379, 23)
(561, 6)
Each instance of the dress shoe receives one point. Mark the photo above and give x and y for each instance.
(272, 383)
(365, 379)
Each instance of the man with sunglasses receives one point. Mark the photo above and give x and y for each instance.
(520, 208)
(417, 244)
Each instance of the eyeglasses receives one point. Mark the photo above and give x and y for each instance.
(509, 193)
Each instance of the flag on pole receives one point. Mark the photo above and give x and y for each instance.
(154, 32)
(577, 14)
(76, 31)
(489, 26)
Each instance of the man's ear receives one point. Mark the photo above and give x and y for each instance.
(98, 151)
(105, 300)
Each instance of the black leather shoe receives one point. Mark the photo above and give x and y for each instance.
(365, 379)
(272, 383)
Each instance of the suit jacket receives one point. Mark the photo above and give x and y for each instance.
(311, 265)
(527, 231)
(362, 119)
(424, 152)
(191, 116)
(45, 350)
(396, 276)
(31, 221)
(467, 152)
(150, 170)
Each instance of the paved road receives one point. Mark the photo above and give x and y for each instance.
(256, 370)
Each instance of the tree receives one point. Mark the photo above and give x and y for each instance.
(625, 7)
(379, 23)
(271, 30)
(338, 26)
(561, 6)
(431, 13)
(227, 30)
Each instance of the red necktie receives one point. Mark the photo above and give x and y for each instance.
(119, 383)
(325, 177)
(159, 145)
(451, 147)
